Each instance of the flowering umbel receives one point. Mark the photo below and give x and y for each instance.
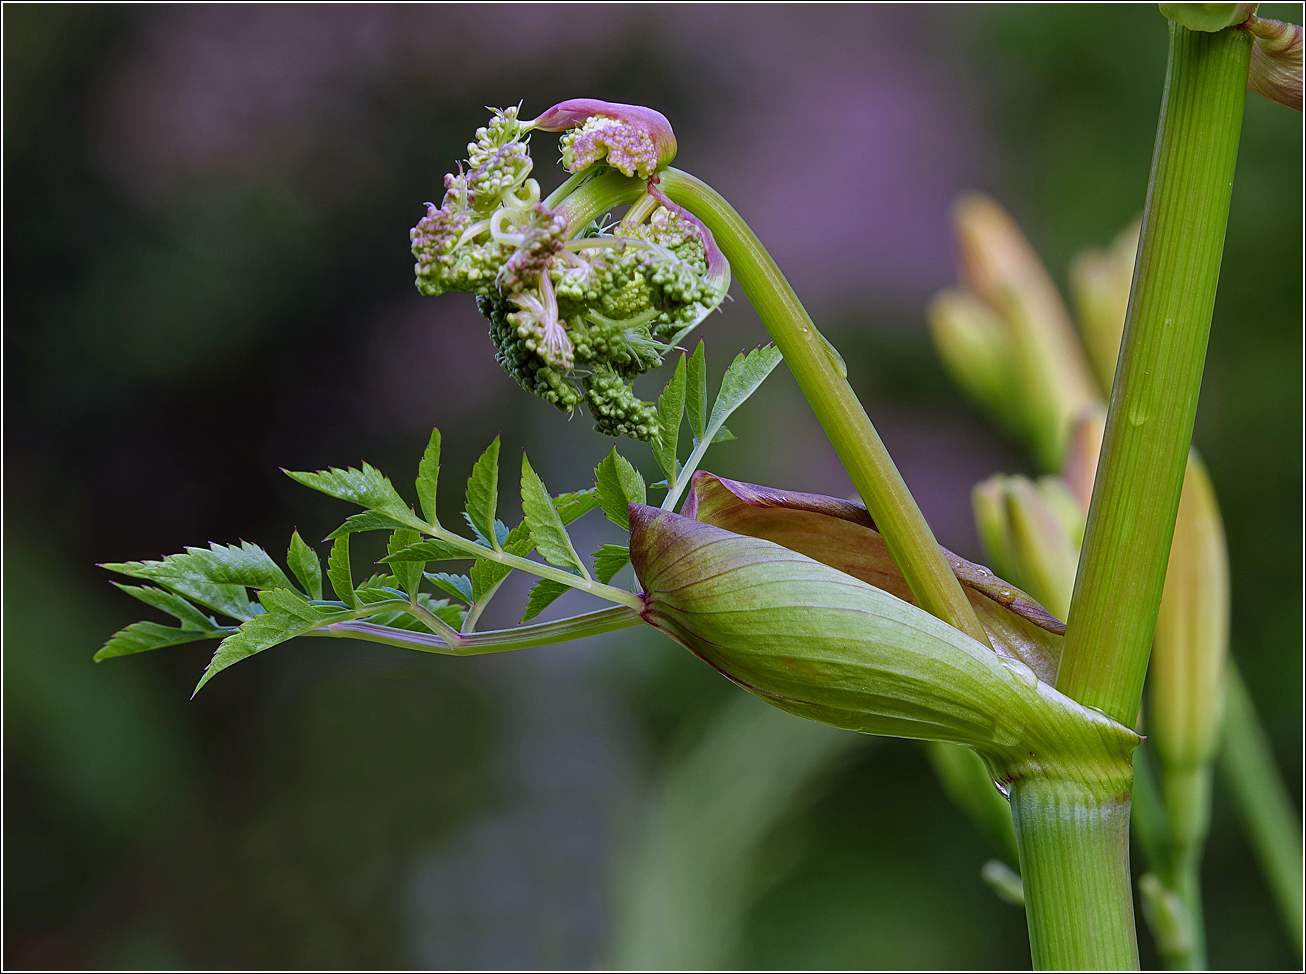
(577, 310)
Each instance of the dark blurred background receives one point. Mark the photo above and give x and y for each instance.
(207, 278)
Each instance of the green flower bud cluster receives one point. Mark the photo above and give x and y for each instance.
(576, 312)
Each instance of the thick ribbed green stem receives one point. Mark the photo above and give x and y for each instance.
(1074, 860)
(1149, 425)
(819, 375)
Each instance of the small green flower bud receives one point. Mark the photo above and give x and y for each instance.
(820, 643)
(1049, 379)
(1208, 17)
(975, 346)
(1046, 530)
(1192, 631)
(1035, 530)
(1100, 280)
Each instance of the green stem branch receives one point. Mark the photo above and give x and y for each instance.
(493, 641)
(1149, 424)
(908, 536)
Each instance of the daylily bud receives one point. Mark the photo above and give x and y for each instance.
(1101, 280)
(1049, 377)
(1208, 17)
(842, 535)
(631, 138)
(975, 346)
(819, 643)
(1080, 468)
(1037, 529)
(1190, 647)
(1276, 67)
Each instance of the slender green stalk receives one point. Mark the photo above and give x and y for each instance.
(1176, 866)
(1074, 860)
(609, 592)
(494, 641)
(1248, 767)
(1149, 424)
(908, 536)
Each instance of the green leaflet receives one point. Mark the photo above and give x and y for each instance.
(140, 637)
(618, 485)
(247, 565)
(671, 406)
(543, 595)
(286, 615)
(575, 504)
(817, 642)
(696, 392)
(483, 493)
(174, 605)
(367, 521)
(187, 576)
(407, 573)
(459, 586)
(339, 574)
(543, 522)
(746, 373)
(485, 575)
(428, 476)
(608, 560)
(367, 487)
(306, 566)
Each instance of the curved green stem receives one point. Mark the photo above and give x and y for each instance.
(1150, 421)
(908, 536)
(493, 641)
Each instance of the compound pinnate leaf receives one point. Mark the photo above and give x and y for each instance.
(618, 485)
(339, 574)
(485, 575)
(141, 637)
(483, 492)
(696, 391)
(177, 607)
(367, 521)
(367, 487)
(575, 504)
(542, 519)
(459, 586)
(189, 577)
(407, 573)
(543, 595)
(671, 406)
(428, 476)
(305, 565)
(610, 559)
(431, 549)
(746, 373)
(286, 615)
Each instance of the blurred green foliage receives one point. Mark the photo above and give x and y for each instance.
(206, 278)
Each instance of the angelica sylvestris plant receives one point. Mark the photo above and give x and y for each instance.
(847, 614)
